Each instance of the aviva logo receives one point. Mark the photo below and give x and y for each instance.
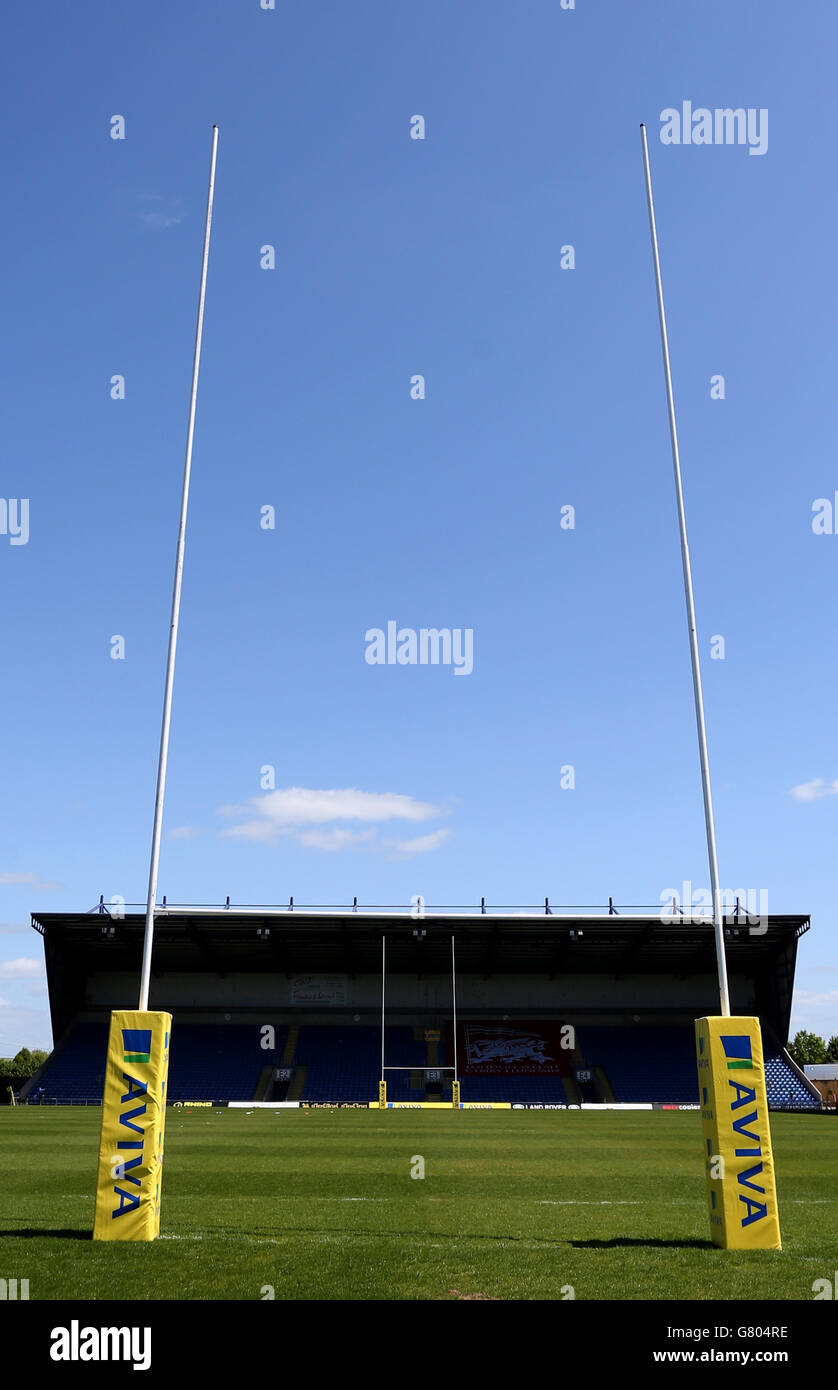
(737, 1051)
(136, 1044)
(734, 1112)
(129, 1199)
(133, 1115)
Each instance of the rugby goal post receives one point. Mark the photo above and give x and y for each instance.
(455, 1080)
(738, 1158)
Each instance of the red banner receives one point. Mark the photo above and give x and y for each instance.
(530, 1048)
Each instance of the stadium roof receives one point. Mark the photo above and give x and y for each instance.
(489, 941)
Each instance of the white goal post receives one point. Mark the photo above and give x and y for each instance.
(455, 1081)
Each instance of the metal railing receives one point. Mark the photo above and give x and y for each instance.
(734, 911)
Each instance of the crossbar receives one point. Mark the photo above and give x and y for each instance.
(420, 1068)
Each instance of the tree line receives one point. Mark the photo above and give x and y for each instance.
(24, 1064)
(807, 1049)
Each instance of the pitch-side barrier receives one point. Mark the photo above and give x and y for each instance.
(426, 1105)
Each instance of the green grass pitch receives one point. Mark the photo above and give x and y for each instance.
(321, 1204)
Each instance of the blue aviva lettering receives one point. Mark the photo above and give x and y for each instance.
(136, 1049)
(737, 1050)
(130, 1200)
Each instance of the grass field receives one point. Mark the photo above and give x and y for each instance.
(321, 1204)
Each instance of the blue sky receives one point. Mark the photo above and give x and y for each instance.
(398, 257)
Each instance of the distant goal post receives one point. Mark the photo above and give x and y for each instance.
(455, 1084)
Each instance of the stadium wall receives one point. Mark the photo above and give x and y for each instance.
(428, 993)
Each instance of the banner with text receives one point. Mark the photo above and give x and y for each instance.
(133, 1121)
(737, 1141)
(532, 1048)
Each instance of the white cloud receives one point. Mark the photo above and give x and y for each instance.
(160, 219)
(814, 790)
(421, 844)
(184, 832)
(816, 1011)
(282, 812)
(29, 880)
(804, 998)
(168, 212)
(23, 1027)
(10, 929)
(24, 968)
(260, 830)
(337, 838)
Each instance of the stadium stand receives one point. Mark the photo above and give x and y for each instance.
(630, 984)
(211, 1062)
(208, 1062)
(75, 1074)
(644, 1064)
(544, 1090)
(784, 1086)
(224, 1062)
(345, 1063)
